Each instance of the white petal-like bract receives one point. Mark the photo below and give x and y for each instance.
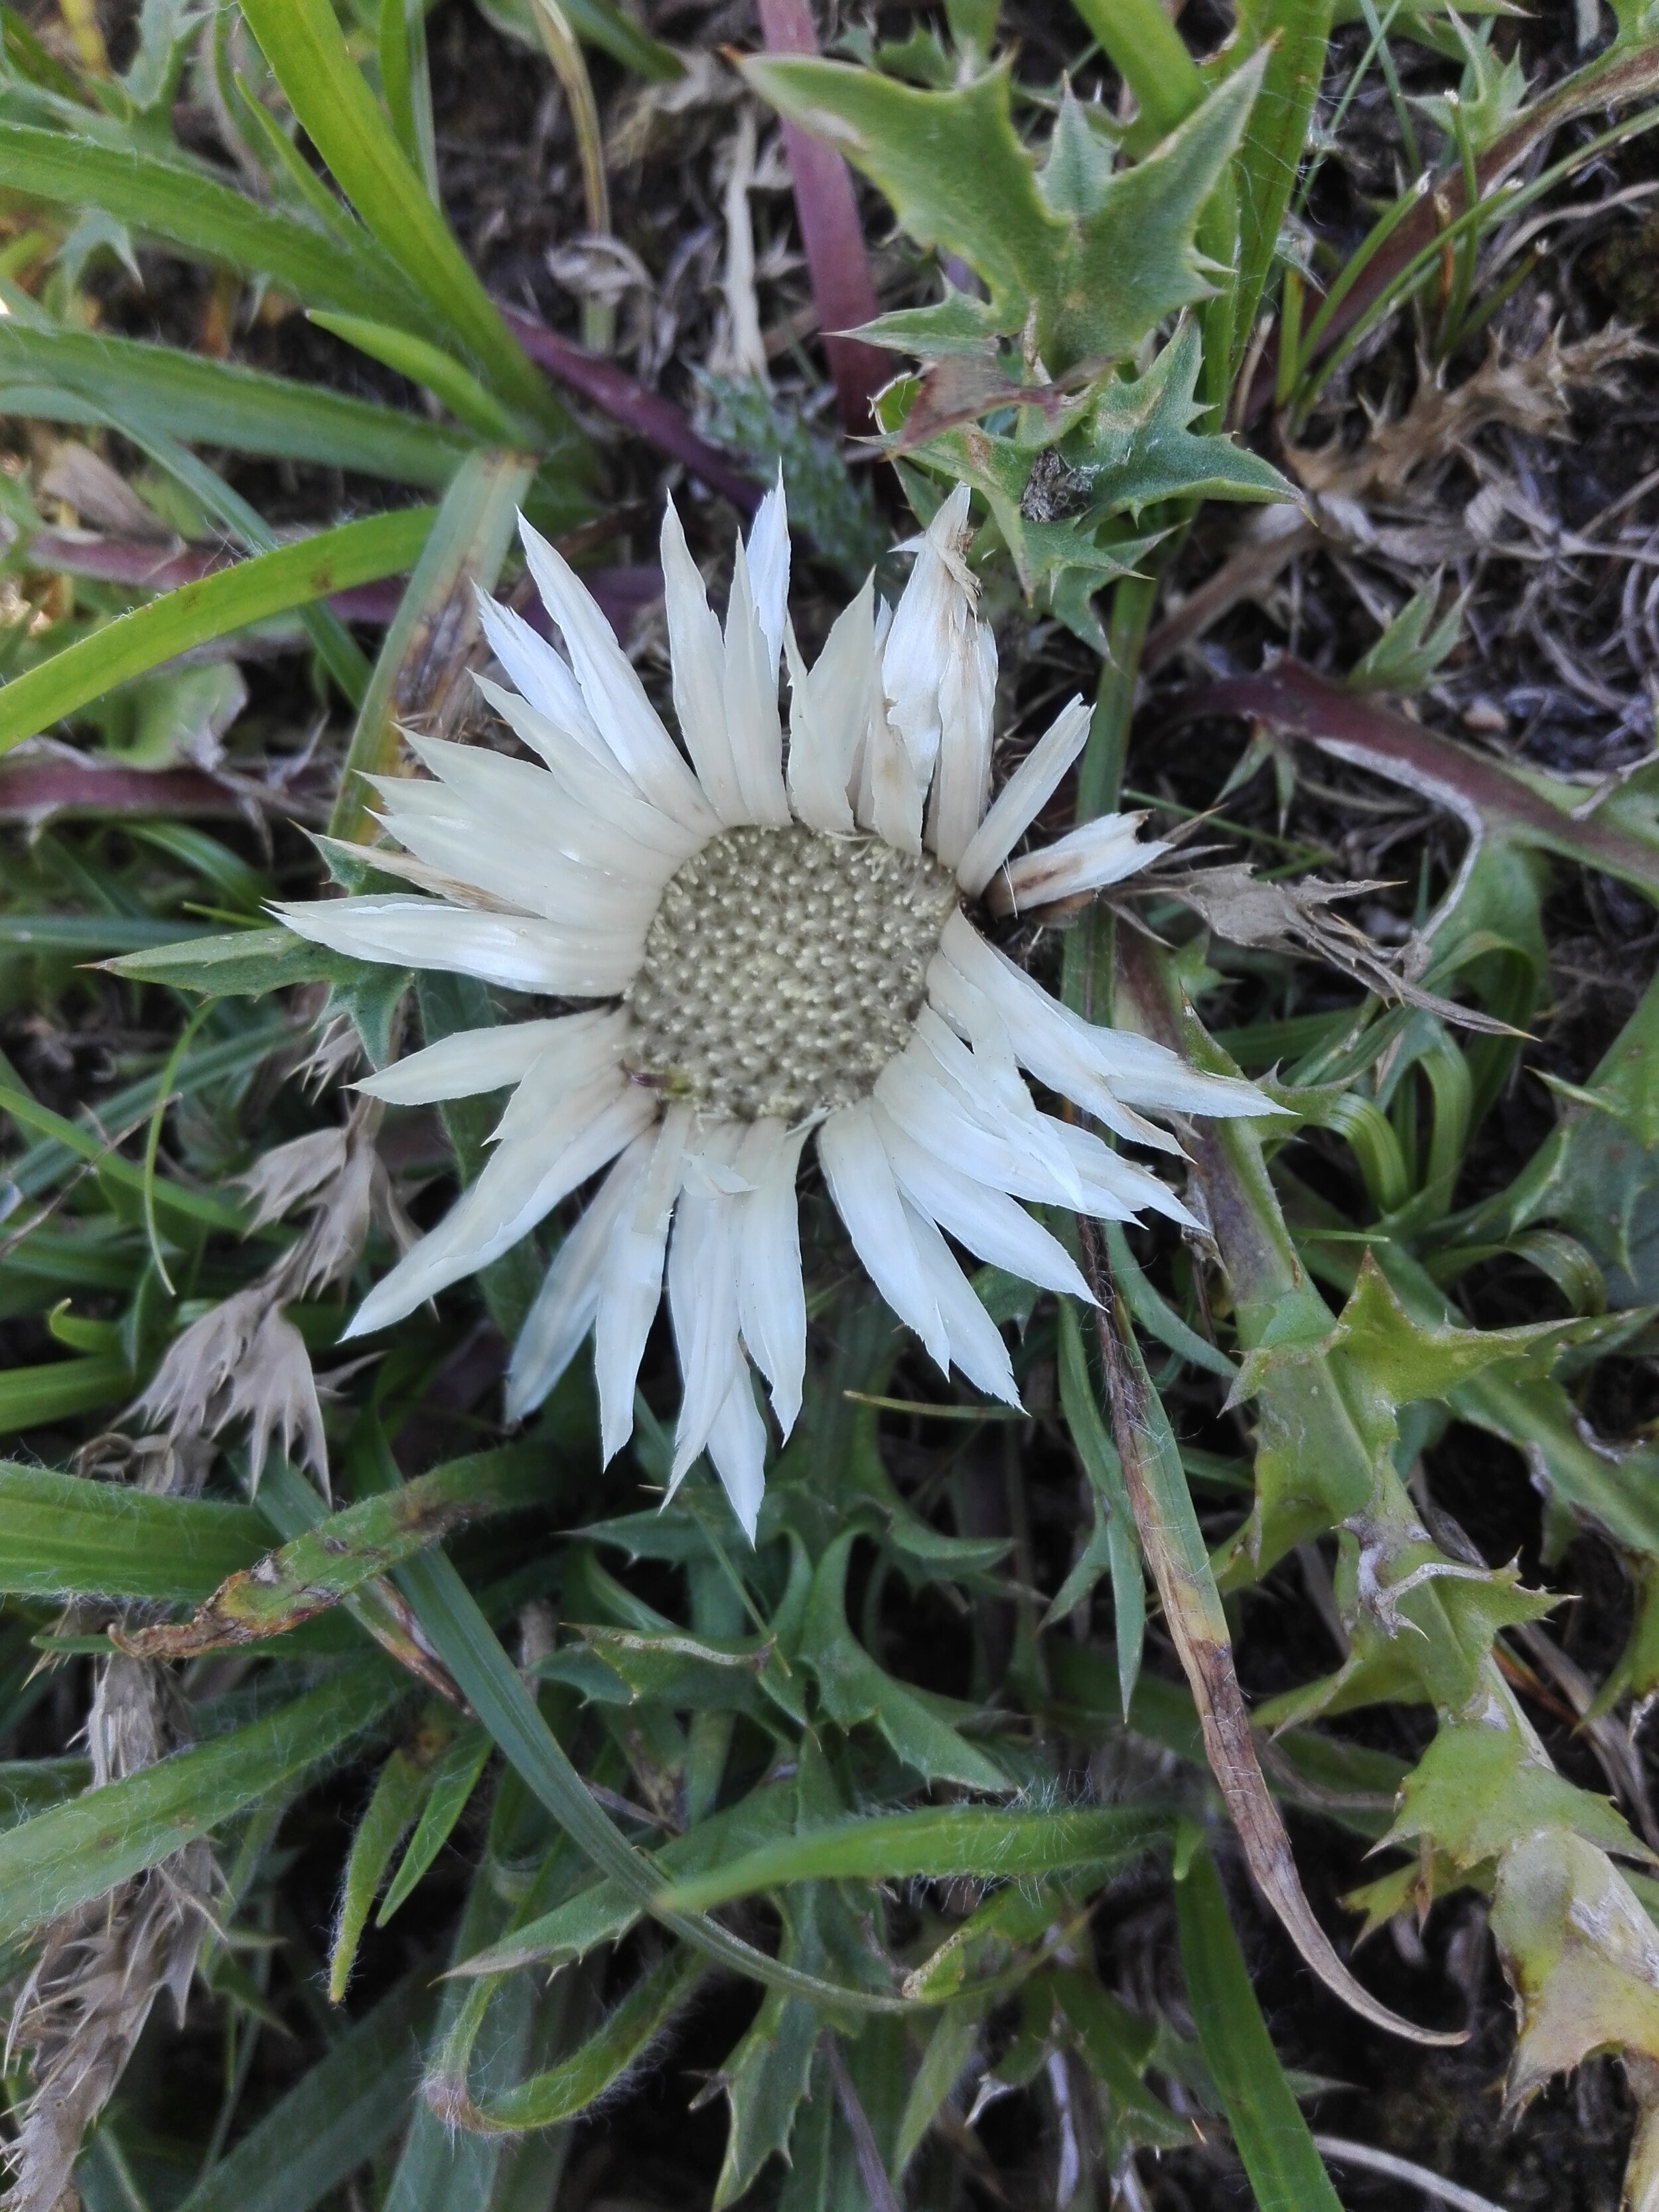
(773, 938)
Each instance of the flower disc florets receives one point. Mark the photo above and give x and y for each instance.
(784, 969)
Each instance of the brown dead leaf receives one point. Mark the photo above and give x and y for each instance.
(1247, 910)
(1527, 391)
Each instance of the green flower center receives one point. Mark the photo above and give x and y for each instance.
(784, 969)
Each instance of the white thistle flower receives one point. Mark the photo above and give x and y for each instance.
(783, 939)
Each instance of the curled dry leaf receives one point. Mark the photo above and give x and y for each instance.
(1367, 497)
(1528, 393)
(1246, 909)
(1174, 1549)
(241, 1360)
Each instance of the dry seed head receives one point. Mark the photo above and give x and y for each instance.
(784, 968)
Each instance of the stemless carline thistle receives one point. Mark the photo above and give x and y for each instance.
(780, 934)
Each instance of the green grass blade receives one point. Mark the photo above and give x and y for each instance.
(303, 42)
(980, 1840)
(61, 1536)
(78, 1851)
(190, 1205)
(342, 2112)
(225, 1059)
(74, 375)
(466, 546)
(402, 1784)
(1286, 2172)
(30, 1397)
(184, 203)
(429, 366)
(468, 1646)
(598, 23)
(1274, 138)
(268, 584)
(1150, 54)
(1104, 1471)
(91, 936)
(455, 1777)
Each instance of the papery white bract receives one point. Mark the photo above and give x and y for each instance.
(784, 931)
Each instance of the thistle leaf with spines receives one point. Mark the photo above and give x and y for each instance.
(1081, 260)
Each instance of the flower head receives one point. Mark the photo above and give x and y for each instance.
(781, 938)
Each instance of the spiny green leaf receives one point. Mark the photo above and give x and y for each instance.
(245, 963)
(951, 163)
(1405, 657)
(853, 1688)
(1093, 274)
(1579, 1953)
(1477, 1789)
(1116, 2047)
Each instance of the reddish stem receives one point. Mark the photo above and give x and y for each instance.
(828, 211)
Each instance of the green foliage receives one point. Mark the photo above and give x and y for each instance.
(1086, 258)
(581, 1734)
(251, 591)
(1286, 2172)
(75, 1851)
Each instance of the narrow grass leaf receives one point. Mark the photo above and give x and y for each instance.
(1298, 32)
(398, 1789)
(184, 203)
(77, 1850)
(424, 647)
(350, 2105)
(427, 365)
(1104, 1472)
(627, 2035)
(191, 1206)
(251, 591)
(58, 1389)
(305, 47)
(975, 1841)
(61, 1534)
(74, 376)
(1286, 2172)
(1176, 1551)
(454, 1779)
